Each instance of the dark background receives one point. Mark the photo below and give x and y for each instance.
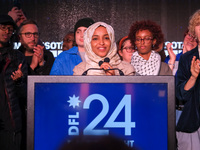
(56, 17)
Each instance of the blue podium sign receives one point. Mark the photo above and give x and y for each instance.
(135, 109)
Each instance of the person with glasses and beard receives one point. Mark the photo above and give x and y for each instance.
(145, 37)
(13, 75)
(38, 58)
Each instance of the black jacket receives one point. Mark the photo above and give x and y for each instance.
(15, 91)
(43, 70)
(189, 120)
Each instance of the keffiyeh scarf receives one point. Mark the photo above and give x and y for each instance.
(146, 67)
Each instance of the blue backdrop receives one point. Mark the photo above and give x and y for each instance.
(135, 112)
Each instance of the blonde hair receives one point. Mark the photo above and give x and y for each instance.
(194, 21)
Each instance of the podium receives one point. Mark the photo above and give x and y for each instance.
(138, 109)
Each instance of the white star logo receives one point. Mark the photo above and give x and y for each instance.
(74, 101)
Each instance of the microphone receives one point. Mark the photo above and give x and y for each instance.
(107, 60)
(100, 63)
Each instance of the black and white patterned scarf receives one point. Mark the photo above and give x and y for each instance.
(146, 67)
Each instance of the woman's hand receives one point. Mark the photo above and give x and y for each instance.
(107, 66)
(172, 56)
(195, 69)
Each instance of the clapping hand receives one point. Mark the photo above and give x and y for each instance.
(38, 57)
(17, 74)
(39, 52)
(195, 68)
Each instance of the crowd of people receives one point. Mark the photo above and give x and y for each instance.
(91, 50)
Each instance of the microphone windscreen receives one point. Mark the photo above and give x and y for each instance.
(107, 59)
(84, 73)
(100, 63)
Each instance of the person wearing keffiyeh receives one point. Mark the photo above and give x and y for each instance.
(101, 53)
(145, 37)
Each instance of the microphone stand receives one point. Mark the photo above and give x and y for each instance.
(120, 71)
(85, 72)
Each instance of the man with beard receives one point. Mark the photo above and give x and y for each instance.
(39, 60)
(13, 74)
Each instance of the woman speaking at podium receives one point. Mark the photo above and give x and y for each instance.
(101, 56)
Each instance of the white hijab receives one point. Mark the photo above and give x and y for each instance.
(92, 60)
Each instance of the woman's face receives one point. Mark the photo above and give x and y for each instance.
(197, 32)
(144, 42)
(79, 36)
(100, 42)
(127, 51)
(189, 42)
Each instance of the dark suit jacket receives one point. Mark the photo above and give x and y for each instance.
(189, 120)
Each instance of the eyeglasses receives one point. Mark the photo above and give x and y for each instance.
(129, 49)
(146, 40)
(190, 37)
(68, 40)
(5, 27)
(29, 34)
